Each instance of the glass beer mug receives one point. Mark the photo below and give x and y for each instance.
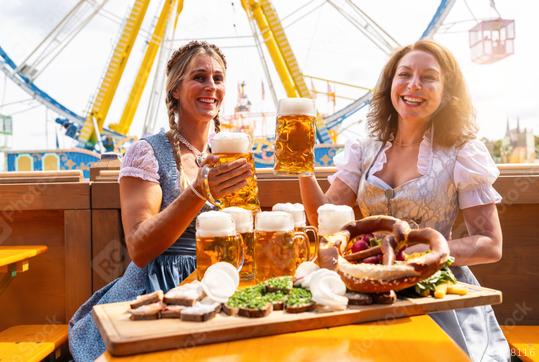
(277, 245)
(244, 227)
(230, 146)
(294, 136)
(217, 240)
(300, 224)
(331, 218)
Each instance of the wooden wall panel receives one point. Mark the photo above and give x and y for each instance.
(78, 253)
(57, 196)
(109, 255)
(37, 295)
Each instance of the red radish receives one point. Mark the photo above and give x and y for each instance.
(376, 259)
(360, 245)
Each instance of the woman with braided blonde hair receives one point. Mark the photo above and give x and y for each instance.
(162, 189)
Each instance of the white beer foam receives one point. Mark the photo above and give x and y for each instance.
(274, 221)
(331, 218)
(293, 106)
(297, 211)
(230, 142)
(243, 218)
(215, 223)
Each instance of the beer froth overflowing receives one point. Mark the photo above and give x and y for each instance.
(230, 142)
(331, 218)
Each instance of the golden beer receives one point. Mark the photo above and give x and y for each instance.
(244, 227)
(216, 240)
(295, 136)
(277, 247)
(211, 250)
(230, 146)
(298, 213)
(247, 196)
(248, 243)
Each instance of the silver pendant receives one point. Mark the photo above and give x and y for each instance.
(199, 160)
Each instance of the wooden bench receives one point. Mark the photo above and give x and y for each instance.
(34, 342)
(523, 341)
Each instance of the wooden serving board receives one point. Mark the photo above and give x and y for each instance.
(123, 336)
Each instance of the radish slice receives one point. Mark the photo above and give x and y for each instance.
(228, 269)
(304, 269)
(218, 285)
(328, 289)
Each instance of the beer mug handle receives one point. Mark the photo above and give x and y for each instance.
(238, 237)
(303, 236)
(312, 230)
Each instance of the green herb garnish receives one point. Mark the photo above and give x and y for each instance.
(299, 297)
(443, 275)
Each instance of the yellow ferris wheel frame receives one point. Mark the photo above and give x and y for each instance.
(261, 11)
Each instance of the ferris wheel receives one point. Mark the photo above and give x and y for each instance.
(270, 33)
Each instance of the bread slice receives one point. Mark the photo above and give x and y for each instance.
(145, 299)
(278, 284)
(146, 312)
(358, 298)
(230, 311)
(187, 294)
(385, 298)
(256, 312)
(300, 308)
(172, 311)
(198, 313)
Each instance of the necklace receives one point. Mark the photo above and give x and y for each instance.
(397, 143)
(200, 156)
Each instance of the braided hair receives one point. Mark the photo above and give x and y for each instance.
(176, 69)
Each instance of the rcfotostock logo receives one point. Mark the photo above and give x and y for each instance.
(109, 262)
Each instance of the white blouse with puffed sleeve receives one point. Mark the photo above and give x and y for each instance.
(139, 161)
(474, 174)
(348, 164)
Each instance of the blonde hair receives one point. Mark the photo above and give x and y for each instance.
(453, 121)
(176, 70)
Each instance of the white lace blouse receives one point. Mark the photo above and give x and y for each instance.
(139, 161)
(474, 172)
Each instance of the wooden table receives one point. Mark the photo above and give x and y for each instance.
(14, 259)
(406, 339)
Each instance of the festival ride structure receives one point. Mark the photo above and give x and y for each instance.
(89, 129)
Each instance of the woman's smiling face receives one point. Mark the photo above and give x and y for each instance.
(202, 90)
(417, 87)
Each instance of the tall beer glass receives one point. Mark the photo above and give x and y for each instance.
(230, 146)
(294, 136)
(300, 224)
(244, 227)
(216, 240)
(277, 245)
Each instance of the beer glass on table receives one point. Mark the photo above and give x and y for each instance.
(217, 240)
(294, 136)
(230, 146)
(244, 227)
(300, 224)
(331, 218)
(277, 245)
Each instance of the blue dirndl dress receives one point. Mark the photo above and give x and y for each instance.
(164, 272)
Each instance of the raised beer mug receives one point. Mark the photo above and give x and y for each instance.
(217, 240)
(230, 146)
(294, 136)
(244, 227)
(300, 224)
(277, 245)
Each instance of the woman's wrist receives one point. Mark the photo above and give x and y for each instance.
(197, 192)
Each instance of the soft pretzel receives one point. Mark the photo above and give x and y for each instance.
(380, 278)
